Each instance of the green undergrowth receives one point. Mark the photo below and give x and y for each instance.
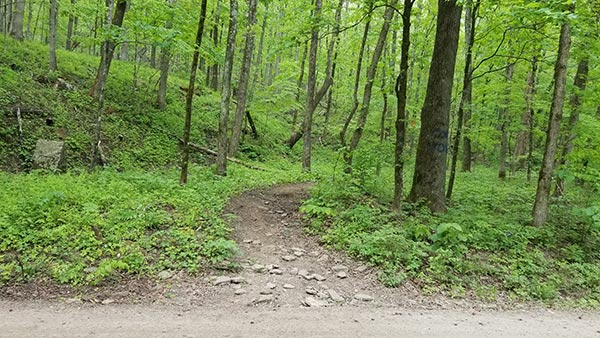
(92, 228)
(483, 247)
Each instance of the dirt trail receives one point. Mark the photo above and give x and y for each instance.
(288, 285)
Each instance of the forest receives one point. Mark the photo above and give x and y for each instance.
(454, 144)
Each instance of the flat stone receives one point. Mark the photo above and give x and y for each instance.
(257, 242)
(323, 258)
(271, 286)
(165, 274)
(289, 258)
(298, 253)
(306, 275)
(363, 297)
(240, 292)
(266, 292)
(222, 280)
(258, 268)
(272, 266)
(342, 275)
(262, 299)
(236, 286)
(294, 271)
(49, 155)
(288, 286)
(362, 268)
(335, 296)
(248, 241)
(339, 267)
(311, 291)
(276, 272)
(319, 277)
(91, 269)
(314, 253)
(313, 302)
(238, 280)
(298, 249)
(107, 301)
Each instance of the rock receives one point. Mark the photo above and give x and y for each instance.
(298, 249)
(240, 292)
(314, 253)
(288, 286)
(258, 268)
(238, 280)
(236, 286)
(91, 269)
(266, 292)
(272, 266)
(294, 271)
(257, 242)
(335, 296)
(248, 241)
(362, 268)
(284, 214)
(306, 275)
(262, 299)
(311, 291)
(298, 253)
(363, 297)
(165, 274)
(319, 277)
(276, 272)
(339, 268)
(342, 275)
(49, 155)
(323, 258)
(62, 84)
(289, 258)
(222, 280)
(271, 286)
(107, 301)
(313, 302)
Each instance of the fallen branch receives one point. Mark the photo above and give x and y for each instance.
(231, 159)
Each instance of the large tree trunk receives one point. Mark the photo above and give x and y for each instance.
(226, 89)
(214, 69)
(464, 107)
(165, 59)
(504, 122)
(569, 135)
(108, 47)
(430, 167)
(185, 156)
(522, 145)
(17, 20)
(401, 98)
(70, 26)
(355, 102)
(242, 90)
(52, 23)
(366, 101)
(310, 88)
(540, 207)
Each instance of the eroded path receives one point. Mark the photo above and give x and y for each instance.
(288, 285)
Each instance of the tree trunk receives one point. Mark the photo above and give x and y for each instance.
(52, 23)
(384, 110)
(226, 89)
(299, 91)
(430, 167)
(504, 122)
(523, 138)
(17, 20)
(70, 26)
(310, 87)
(467, 92)
(366, 101)
(165, 59)
(108, 47)
(540, 208)
(242, 90)
(569, 136)
(355, 102)
(185, 158)
(214, 69)
(401, 98)
(259, 53)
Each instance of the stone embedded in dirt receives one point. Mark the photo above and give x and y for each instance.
(339, 267)
(279, 211)
(363, 297)
(342, 275)
(362, 268)
(240, 292)
(294, 271)
(222, 280)
(266, 292)
(263, 208)
(236, 286)
(248, 241)
(165, 274)
(284, 214)
(313, 302)
(288, 286)
(335, 296)
(298, 249)
(306, 275)
(258, 268)
(289, 258)
(314, 254)
(319, 277)
(271, 286)
(298, 253)
(238, 280)
(262, 299)
(91, 269)
(311, 291)
(107, 301)
(276, 272)
(323, 258)
(49, 155)
(272, 266)
(267, 202)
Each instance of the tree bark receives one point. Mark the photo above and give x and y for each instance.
(52, 23)
(108, 48)
(17, 20)
(299, 91)
(430, 167)
(165, 59)
(70, 26)
(526, 118)
(214, 69)
(540, 208)
(366, 101)
(504, 122)
(259, 53)
(226, 89)
(185, 158)
(401, 99)
(464, 107)
(242, 90)
(569, 135)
